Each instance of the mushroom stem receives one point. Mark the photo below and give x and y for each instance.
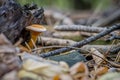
(34, 36)
(35, 30)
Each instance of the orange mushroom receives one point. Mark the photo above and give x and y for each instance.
(35, 31)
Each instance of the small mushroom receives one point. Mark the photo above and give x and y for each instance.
(35, 31)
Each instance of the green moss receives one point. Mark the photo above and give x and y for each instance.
(63, 4)
(76, 38)
(101, 42)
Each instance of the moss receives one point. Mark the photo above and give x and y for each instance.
(101, 42)
(76, 38)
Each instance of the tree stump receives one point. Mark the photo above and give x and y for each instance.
(14, 18)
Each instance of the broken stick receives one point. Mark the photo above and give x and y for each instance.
(83, 42)
(78, 28)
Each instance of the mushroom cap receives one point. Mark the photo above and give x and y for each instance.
(36, 28)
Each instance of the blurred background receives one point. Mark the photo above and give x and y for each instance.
(70, 4)
(86, 12)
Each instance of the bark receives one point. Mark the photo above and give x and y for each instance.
(14, 18)
(55, 41)
(78, 28)
(83, 42)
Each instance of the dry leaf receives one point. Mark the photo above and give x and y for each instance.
(31, 65)
(79, 67)
(43, 67)
(97, 56)
(25, 74)
(64, 64)
(102, 70)
(56, 77)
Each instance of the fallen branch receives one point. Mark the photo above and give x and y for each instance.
(78, 28)
(83, 42)
(72, 35)
(64, 34)
(54, 41)
(60, 43)
(85, 49)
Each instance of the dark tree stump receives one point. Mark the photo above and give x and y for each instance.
(14, 18)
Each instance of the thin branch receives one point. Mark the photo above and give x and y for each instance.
(115, 50)
(83, 42)
(78, 28)
(55, 41)
(47, 47)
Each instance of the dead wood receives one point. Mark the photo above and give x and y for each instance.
(59, 43)
(69, 35)
(74, 35)
(49, 41)
(83, 42)
(14, 18)
(54, 41)
(78, 28)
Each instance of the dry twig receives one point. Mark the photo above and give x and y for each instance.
(83, 42)
(78, 28)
